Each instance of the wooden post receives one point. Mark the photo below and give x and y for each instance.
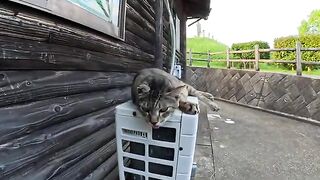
(159, 34)
(228, 58)
(298, 59)
(256, 57)
(208, 65)
(190, 57)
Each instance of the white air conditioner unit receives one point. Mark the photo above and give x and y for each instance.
(155, 154)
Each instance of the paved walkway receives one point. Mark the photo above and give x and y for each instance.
(240, 143)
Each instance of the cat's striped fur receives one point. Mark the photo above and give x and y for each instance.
(157, 94)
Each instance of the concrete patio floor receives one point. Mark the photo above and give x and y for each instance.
(239, 143)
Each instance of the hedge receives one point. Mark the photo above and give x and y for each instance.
(307, 41)
(248, 46)
(250, 55)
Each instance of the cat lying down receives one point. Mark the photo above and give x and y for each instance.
(157, 94)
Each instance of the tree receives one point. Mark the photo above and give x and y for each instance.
(312, 25)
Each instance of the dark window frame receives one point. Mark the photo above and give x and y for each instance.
(73, 12)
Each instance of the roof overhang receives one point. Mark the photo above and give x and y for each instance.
(197, 8)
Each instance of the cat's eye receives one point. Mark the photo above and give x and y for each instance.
(165, 109)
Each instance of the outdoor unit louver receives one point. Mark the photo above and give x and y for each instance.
(152, 154)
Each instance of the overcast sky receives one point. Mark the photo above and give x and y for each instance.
(247, 20)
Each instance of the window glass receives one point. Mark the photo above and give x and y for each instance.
(105, 9)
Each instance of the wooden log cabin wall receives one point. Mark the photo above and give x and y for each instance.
(60, 82)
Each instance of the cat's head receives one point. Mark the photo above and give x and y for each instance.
(156, 104)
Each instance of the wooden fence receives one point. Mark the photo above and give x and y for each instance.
(298, 61)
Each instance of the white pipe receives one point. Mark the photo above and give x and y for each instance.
(173, 37)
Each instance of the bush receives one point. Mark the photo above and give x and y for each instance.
(248, 46)
(307, 41)
(249, 55)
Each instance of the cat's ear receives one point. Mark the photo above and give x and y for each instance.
(177, 91)
(143, 89)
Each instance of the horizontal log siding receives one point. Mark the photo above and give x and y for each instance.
(48, 42)
(57, 123)
(59, 85)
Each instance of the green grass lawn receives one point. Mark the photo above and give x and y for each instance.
(264, 67)
(212, 64)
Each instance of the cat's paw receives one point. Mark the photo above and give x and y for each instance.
(208, 95)
(213, 106)
(189, 108)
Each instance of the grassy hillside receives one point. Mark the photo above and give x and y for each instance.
(201, 44)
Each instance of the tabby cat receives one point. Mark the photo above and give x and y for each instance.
(157, 94)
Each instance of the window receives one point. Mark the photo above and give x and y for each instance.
(106, 16)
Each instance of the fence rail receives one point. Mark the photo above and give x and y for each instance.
(298, 61)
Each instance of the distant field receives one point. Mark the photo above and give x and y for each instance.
(200, 44)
